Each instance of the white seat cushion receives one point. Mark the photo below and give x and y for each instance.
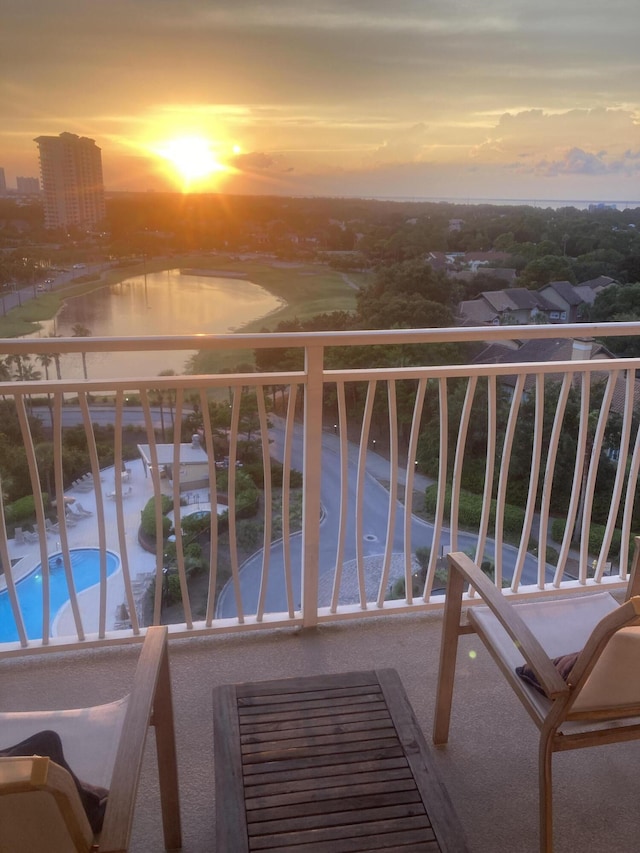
(561, 626)
(614, 681)
(90, 736)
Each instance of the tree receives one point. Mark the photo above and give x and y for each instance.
(541, 271)
(56, 358)
(80, 331)
(618, 302)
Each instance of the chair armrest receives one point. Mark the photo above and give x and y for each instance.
(551, 681)
(26, 774)
(126, 772)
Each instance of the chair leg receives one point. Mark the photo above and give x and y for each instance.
(448, 655)
(545, 760)
(167, 760)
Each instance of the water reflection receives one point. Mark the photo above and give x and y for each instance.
(165, 303)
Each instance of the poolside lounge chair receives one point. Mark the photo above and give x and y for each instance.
(40, 808)
(31, 537)
(81, 510)
(578, 660)
(36, 530)
(18, 536)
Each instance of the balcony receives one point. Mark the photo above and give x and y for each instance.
(346, 591)
(489, 766)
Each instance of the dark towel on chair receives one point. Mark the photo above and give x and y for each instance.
(48, 743)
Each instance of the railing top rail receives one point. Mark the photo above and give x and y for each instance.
(320, 339)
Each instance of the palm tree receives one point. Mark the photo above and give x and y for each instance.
(56, 357)
(80, 331)
(171, 394)
(29, 374)
(45, 360)
(5, 370)
(17, 361)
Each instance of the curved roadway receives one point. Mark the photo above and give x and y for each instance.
(375, 515)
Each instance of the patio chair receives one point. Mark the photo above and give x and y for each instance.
(577, 660)
(18, 536)
(40, 807)
(31, 537)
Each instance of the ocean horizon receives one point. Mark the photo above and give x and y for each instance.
(554, 203)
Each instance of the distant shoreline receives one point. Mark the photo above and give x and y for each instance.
(214, 273)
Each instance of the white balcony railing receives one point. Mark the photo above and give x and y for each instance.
(536, 441)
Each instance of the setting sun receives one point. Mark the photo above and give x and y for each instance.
(191, 157)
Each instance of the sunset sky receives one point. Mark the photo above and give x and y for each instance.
(420, 98)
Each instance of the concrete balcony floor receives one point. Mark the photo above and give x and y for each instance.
(489, 766)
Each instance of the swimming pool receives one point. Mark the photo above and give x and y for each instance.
(85, 567)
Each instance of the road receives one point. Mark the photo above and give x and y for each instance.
(16, 298)
(375, 510)
(103, 416)
(375, 514)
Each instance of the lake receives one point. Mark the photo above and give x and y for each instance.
(164, 303)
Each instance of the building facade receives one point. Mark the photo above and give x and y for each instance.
(3, 182)
(28, 186)
(71, 177)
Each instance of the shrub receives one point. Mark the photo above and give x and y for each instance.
(596, 537)
(397, 590)
(470, 510)
(197, 523)
(255, 470)
(148, 517)
(24, 509)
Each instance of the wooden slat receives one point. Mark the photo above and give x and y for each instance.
(307, 772)
(332, 833)
(334, 762)
(292, 810)
(336, 818)
(331, 780)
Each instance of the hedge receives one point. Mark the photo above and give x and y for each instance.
(470, 509)
(148, 517)
(596, 536)
(24, 509)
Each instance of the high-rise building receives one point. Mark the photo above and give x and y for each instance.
(71, 175)
(3, 182)
(28, 186)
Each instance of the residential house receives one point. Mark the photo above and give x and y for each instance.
(512, 306)
(565, 299)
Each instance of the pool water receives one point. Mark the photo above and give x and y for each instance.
(85, 568)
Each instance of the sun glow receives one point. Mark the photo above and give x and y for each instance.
(192, 158)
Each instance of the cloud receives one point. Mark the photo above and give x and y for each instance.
(254, 161)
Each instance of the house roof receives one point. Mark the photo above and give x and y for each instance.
(190, 454)
(477, 312)
(543, 349)
(598, 283)
(566, 290)
(556, 349)
(587, 294)
(516, 299)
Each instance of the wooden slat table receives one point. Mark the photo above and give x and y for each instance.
(326, 763)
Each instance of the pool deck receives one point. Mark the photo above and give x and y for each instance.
(84, 534)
